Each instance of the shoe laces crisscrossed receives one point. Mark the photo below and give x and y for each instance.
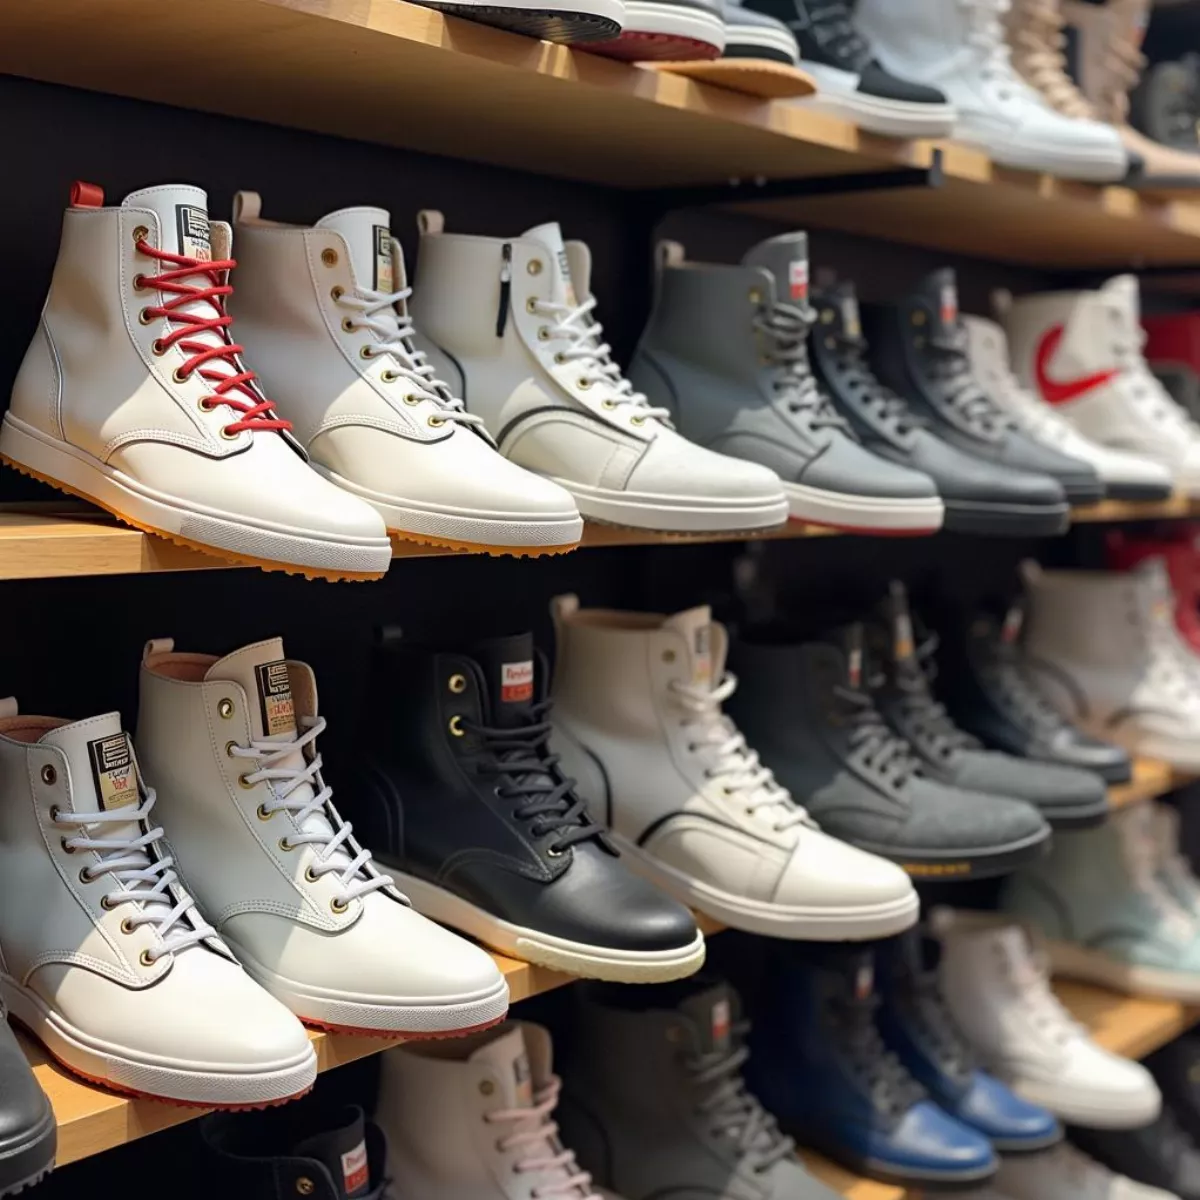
(783, 330)
(1141, 852)
(201, 328)
(879, 1071)
(985, 35)
(873, 743)
(851, 357)
(833, 30)
(1002, 667)
(1039, 54)
(950, 366)
(928, 719)
(1026, 969)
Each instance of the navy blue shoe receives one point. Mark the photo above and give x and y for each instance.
(919, 1028)
(820, 1065)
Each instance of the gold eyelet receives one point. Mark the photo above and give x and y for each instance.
(755, 296)
(107, 904)
(436, 421)
(389, 376)
(668, 656)
(285, 845)
(67, 849)
(610, 404)
(337, 293)
(179, 376)
(229, 749)
(553, 852)
(140, 234)
(543, 333)
(329, 257)
(49, 774)
(584, 384)
(455, 725)
(262, 812)
(204, 405)
(918, 317)
(305, 1186)
(126, 924)
(225, 709)
(457, 684)
(531, 304)
(411, 399)
(309, 876)
(146, 958)
(348, 325)
(229, 437)
(637, 420)
(139, 283)
(242, 783)
(366, 352)
(144, 317)
(486, 1087)
(558, 358)
(85, 876)
(338, 905)
(535, 266)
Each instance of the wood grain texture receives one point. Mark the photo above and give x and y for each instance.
(1131, 1026)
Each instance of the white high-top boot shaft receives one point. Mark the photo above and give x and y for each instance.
(987, 346)
(323, 312)
(1082, 353)
(515, 317)
(103, 954)
(134, 396)
(639, 725)
(230, 743)
(958, 46)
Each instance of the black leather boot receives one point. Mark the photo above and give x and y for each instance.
(463, 798)
(1160, 1155)
(28, 1133)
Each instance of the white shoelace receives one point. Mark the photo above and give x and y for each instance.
(377, 312)
(330, 833)
(733, 762)
(540, 1133)
(143, 880)
(1028, 971)
(575, 325)
(1142, 858)
(986, 35)
(1127, 341)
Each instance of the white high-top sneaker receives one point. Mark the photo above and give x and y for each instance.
(103, 955)
(515, 318)
(134, 395)
(1125, 476)
(1082, 353)
(997, 986)
(958, 46)
(1065, 1173)
(230, 743)
(1102, 647)
(639, 724)
(323, 313)
(473, 1119)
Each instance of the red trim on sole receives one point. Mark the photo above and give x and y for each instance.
(423, 1036)
(633, 46)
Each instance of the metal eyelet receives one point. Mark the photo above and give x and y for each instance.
(158, 347)
(305, 1186)
(637, 420)
(436, 421)
(49, 774)
(558, 358)
(310, 876)
(146, 958)
(140, 234)
(179, 376)
(411, 399)
(486, 1087)
(144, 317)
(139, 283)
(531, 304)
(67, 849)
(348, 325)
(610, 404)
(126, 925)
(543, 333)
(366, 352)
(107, 904)
(85, 876)
(54, 811)
(204, 405)
(457, 684)
(225, 709)
(389, 376)
(338, 905)
(554, 852)
(229, 437)
(584, 384)
(337, 293)
(285, 845)
(535, 266)
(329, 257)
(230, 747)
(263, 813)
(455, 726)
(754, 296)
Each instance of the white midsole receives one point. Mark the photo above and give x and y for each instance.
(874, 512)
(1182, 754)
(763, 36)
(172, 1079)
(1122, 1111)
(239, 533)
(891, 118)
(818, 923)
(673, 20)
(1067, 161)
(1093, 966)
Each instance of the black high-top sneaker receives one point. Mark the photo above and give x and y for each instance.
(976, 494)
(982, 676)
(1066, 796)
(918, 348)
(463, 797)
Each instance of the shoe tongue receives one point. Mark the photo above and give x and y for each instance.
(852, 640)
(1122, 291)
(508, 665)
(903, 652)
(343, 1151)
(550, 237)
(696, 626)
(104, 775)
(368, 234)
(508, 1057)
(843, 301)
(712, 1013)
(786, 257)
(262, 672)
(182, 215)
(939, 291)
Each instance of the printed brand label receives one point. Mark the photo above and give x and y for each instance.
(523, 1078)
(864, 981)
(721, 1018)
(516, 682)
(902, 637)
(949, 308)
(854, 666)
(113, 771)
(851, 325)
(275, 698)
(384, 279)
(702, 658)
(564, 268)
(1013, 620)
(798, 279)
(354, 1169)
(195, 239)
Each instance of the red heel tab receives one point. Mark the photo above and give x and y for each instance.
(86, 195)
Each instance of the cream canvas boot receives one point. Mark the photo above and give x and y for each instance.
(103, 955)
(639, 724)
(323, 312)
(134, 395)
(473, 1119)
(230, 742)
(515, 316)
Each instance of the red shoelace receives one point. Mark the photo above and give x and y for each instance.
(257, 415)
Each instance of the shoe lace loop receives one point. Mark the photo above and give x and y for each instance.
(927, 719)
(878, 1070)
(219, 349)
(143, 878)
(951, 367)
(784, 330)
(872, 740)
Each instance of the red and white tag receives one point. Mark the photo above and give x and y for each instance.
(949, 306)
(516, 682)
(864, 982)
(798, 279)
(1010, 632)
(702, 656)
(721, 1020)
(354, 1168)
(854, 666)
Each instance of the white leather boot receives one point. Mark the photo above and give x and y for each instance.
(639, 725)
(230, 743)
(1102, 647)
(103, 955)
(1081, 352)
(473, 1119)
(514, 317)
(134, 395)
(323, 312)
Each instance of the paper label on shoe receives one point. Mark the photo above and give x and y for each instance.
(523, 1080)
(1010, 631)
(851, 325)
(702, 655)
(798, 279)
(854, 666)
(275, 698)
(564, 267)
(113, 772)
(902, 637)
(195, 238)
(384, 279)
(354, 1170)
(949, 304)
(516, 682)
(864, 981)
(721, 1020)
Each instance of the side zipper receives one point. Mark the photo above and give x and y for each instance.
(505, 288)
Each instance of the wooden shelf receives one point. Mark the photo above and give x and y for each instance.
(355, 68)
(1175, 508)
(852, 1186)
(1151, 779)
(1131, 1026)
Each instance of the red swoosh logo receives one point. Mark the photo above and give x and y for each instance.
(1055, 391)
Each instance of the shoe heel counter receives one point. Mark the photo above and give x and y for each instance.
(37, 390)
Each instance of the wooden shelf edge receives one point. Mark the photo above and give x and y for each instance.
(1131, 1026)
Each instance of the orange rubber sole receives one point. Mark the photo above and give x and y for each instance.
(230, 556)
(440, 1035)
(403, 535)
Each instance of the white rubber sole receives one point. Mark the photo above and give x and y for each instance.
(414, 1016)
(1122, 1110)
(890, 118)
(240, 534)
(778, 43)
(560, 954)
(677, 514)
(560, 530)
(1065, 161)
(849, 923)
(847, 511)
(1092, 966)
(222, 1085)
(673, 20)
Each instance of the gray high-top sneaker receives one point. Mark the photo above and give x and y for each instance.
(808, 711)
(655, 1103)
(725, 352)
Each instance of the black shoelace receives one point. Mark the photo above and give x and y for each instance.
(951, 368)
(833, 30)
(935, 1026)
(891, 1088)
(1001, 667)
(521, 760)
(930, 724)
(784, 328)
(851, 357)
(872, 741)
